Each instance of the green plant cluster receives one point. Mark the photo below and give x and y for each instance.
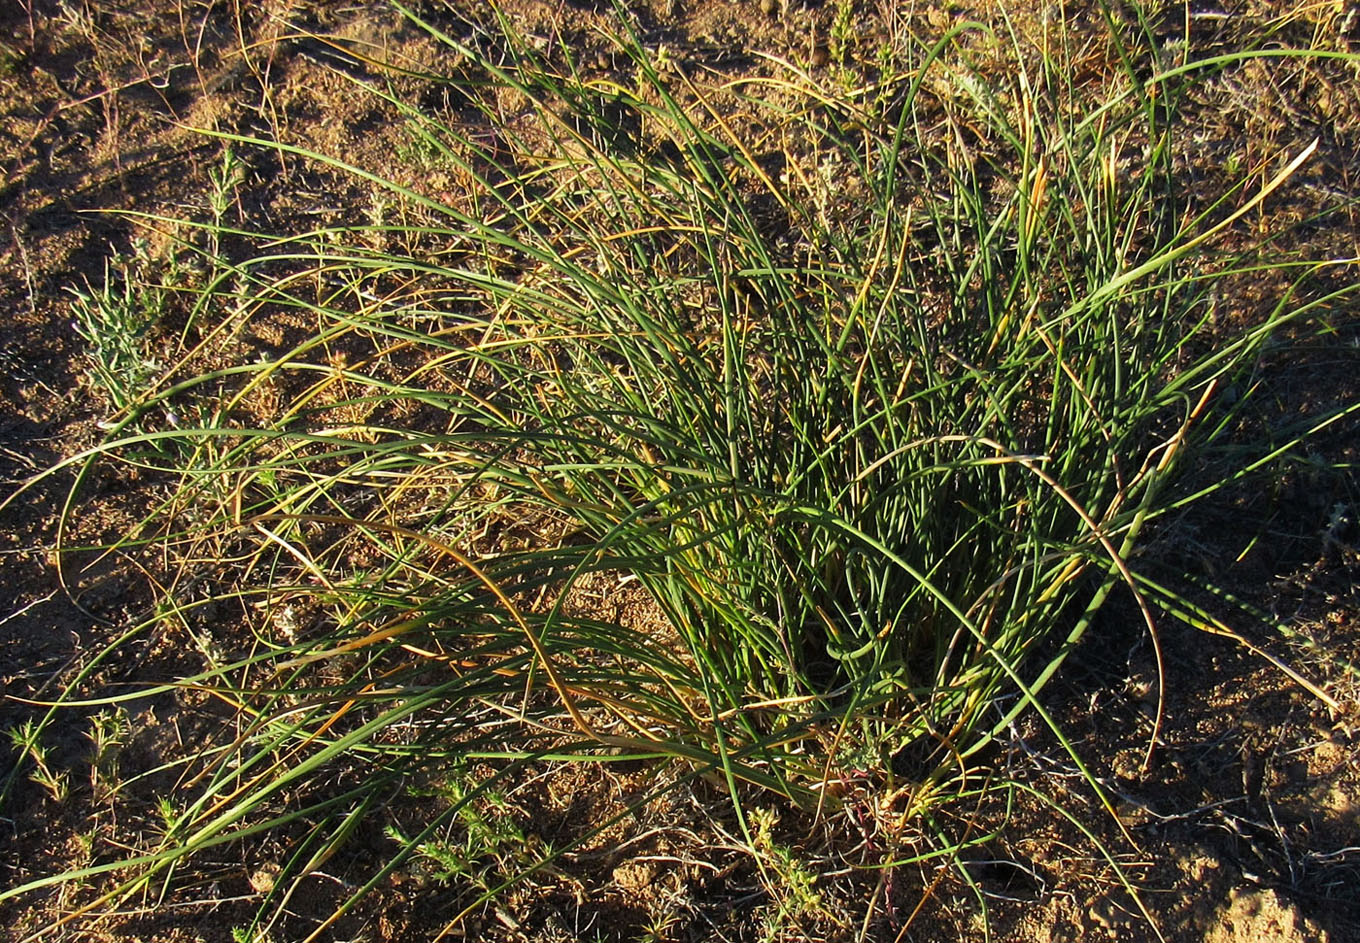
(117, 321)
(879, 443)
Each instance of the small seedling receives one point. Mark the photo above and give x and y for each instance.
(227, 179)
(116, 320)
(170, 814)
(793, 887)
(659, 927)
(491, 846)
(842, 32)
(108, 733)
(27, 742)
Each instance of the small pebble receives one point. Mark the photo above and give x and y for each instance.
(602, 61)
(769, 7)
(820, 56)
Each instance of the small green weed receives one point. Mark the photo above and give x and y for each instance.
(226, 181)
(421, 148)
(170, 813)
(107, 734)
(791, 884)
(117, 321)
(483, 846)
(27, 743)
(842, 33)
(10, 58)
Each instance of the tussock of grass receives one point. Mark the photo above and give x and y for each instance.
(877, 401)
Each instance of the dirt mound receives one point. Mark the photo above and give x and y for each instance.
(1254, 914)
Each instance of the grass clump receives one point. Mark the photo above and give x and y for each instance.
(877, 396)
